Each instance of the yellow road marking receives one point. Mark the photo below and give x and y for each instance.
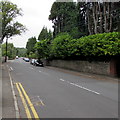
(29, 102)
(24, 103)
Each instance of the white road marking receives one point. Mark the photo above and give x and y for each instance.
(14, 97)
(62, 80)
(72, 83)
(11, 68)
(44, 73)
(40, 71)
(41, 101)
(85, 88)
(80, 87)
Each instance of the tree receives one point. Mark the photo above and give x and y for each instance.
(43, 48)
(63, 16)
(11, 52)
(21, 52)
(81, 19)
(102, 16)
(10, 27)
(30, 45)
(45, 34)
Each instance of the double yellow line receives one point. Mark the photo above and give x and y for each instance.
(24, 95)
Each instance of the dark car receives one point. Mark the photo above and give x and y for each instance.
(38, 62)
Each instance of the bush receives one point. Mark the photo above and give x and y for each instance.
(61, 46)
(100, 44)
(105, 44)
(43, 48)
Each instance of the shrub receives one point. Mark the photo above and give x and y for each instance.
(100, 44)
(105, 44)
(61, 46)
(43, 48)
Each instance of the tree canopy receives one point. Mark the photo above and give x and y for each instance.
(45, 34)
(30, 45)
(82, 29)
(84, 18)
(63, 16)
(10, 27)
(11, 52)
(21, 52)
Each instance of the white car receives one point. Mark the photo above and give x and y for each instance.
(32, 61)
(16, 57)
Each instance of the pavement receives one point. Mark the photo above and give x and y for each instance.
(7, 108)
(0, 91)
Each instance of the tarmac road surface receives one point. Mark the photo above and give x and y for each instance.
(50, 93)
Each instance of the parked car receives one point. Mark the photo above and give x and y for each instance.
(32, 61)
(26, 59)
(16, 57)
(38, 62)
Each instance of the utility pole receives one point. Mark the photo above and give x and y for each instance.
(6, 49)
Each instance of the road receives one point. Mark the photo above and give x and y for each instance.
(58, 94)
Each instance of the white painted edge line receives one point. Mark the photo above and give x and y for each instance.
(62, 80)
(14, 97)
(85, 88)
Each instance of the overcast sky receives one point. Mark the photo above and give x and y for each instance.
(35, 16)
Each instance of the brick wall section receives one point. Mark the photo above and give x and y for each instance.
(83, 66)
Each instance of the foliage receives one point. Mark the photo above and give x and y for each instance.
(45, 34)
(32, 55)
(10, 27)
(81, 19)
(84, 18)
(99, 16)
(43, 48)
(30, 45)
(11, 50)
(63, 16)
(21, 52)
(100, 44)
(61, 46)
(106, 44)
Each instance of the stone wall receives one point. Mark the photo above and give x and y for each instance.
(83, 66)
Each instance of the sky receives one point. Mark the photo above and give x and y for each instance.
(35, 16)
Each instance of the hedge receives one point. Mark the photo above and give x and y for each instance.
(105, 44)
(43, 48)
(64, 46)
